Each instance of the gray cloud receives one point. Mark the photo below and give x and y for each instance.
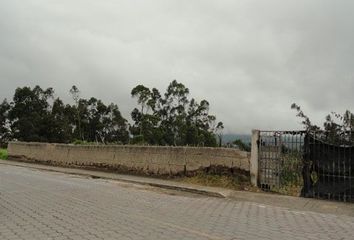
(250, 59)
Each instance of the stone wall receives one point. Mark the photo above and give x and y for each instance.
(157, 160)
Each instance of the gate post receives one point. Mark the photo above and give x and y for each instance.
(254, 157)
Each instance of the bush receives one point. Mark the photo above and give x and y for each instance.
(3, 153)
(83, 142)
(138, 140)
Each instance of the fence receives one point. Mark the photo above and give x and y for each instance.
(280, 161)
(329, 166)
(310, 164)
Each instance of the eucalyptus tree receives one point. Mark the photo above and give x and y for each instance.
(75, 94)
(114, 126)
(103, 123)
(29, 113)
(143, 95)
(59, 123)
(171, 118)
(5, 131)
(34, 115)
(174, 105)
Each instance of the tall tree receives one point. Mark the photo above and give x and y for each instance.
(143, 94)
(34, 115)
(173, 119)
(29, 114)
(75, 94)
(5, 133)
(115, 127)
(59, 123)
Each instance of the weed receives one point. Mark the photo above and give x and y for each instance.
(236, 182)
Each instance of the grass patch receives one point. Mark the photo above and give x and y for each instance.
(291, 181)
(235, 182)
(289, 189)
(3, 153)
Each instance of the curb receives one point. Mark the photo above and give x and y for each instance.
(103, 175)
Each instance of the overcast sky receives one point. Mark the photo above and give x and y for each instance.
(250, 59)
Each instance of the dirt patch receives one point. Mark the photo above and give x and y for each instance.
(213, 170)
(218, 176)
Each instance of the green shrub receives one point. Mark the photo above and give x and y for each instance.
(3, 153)
(80, 142)
(138, 140)
(83, 142)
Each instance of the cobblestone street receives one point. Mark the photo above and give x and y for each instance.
(47, 205)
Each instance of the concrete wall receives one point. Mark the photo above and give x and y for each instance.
(143, 159)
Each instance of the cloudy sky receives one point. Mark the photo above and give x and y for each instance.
(250, 59)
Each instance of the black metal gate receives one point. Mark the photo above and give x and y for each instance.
(329, 166)
(280, 161)
(309, 164)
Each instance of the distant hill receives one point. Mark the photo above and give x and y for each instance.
(246, 138)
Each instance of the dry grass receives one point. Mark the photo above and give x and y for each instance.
(235, 182)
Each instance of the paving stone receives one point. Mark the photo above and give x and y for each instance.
(45, 205)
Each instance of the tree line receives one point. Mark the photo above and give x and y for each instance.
(337, 128)
(171, 118)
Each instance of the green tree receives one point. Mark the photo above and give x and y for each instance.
(115, 127)
(34, 115)
(242, 145)
(104, 123)
(172, 119)
(336, 128)
(143, 94)
(5, 133)
(59, 123)
(75, 94)
(145, 123)
(29, 114)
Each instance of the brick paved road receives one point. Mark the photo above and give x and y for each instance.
(47, 205)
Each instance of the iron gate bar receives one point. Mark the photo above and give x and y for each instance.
(280, 159)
